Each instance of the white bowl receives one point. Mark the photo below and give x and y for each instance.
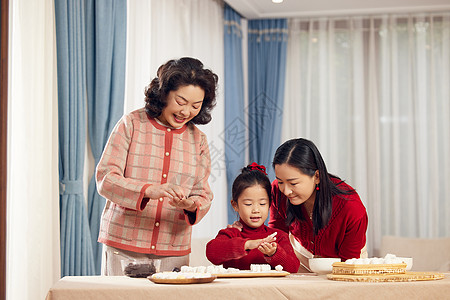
(322, 265)
(408, 261)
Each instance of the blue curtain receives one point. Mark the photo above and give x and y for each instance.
(76, 247)
(106, 56)
(235, 128)
(267, 46)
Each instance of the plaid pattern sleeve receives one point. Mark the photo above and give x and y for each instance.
(141, 152)
(201, 193)
(111, 169)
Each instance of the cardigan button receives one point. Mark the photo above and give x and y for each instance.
(167, 153)
(169, 130)
(153, 246)
(164, 175)
(160, 199)
(157, 224)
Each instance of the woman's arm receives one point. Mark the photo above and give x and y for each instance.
(111, 182)
(355, 233)
(277, 217)
(201, 194)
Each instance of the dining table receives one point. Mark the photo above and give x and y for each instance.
(292, 286)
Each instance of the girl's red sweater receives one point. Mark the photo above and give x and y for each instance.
(227, 249)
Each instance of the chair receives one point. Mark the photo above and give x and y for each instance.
(427, 254)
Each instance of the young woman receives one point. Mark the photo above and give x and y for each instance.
(255, 243)
(154, 170)
(323, 214)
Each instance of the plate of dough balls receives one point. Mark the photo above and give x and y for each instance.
(181, 277)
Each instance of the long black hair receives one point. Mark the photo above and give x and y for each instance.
(178, 73)
(303, 155)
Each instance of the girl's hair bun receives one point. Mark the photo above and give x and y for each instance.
(255, 167)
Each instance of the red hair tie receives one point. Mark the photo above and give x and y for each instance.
(255, 166)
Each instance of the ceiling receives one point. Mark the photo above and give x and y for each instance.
(265, 9)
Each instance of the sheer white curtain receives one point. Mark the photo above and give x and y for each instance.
(160, 30)
(33, 191)
(373, 93)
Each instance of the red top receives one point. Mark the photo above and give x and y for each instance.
(228, 249)
(345, 234)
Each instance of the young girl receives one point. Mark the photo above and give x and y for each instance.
(256, 243)
(154, 170)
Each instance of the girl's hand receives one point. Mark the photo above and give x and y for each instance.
(236, 225)
(268, 249)
(252, 244)
(270, 238)
(165, 190)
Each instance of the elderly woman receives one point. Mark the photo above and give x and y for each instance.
(154, 170)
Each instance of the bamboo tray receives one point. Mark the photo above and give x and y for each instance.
(341, 268)
(245, 273)
(408, 276)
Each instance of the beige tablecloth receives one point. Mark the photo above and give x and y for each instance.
(294, 286)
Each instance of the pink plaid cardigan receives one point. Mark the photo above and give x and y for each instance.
(141, 152)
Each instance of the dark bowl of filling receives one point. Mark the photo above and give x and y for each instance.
(140, 268)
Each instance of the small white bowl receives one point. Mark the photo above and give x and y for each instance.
(322, 265)
(408, 261)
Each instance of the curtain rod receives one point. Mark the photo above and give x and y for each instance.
(434, 10)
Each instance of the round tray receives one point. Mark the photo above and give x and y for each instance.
(408, 276)
(341, 268)
(182, 280)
